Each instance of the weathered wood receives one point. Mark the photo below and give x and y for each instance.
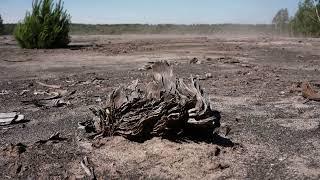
(309, 93)
(166, 106)
(9, 118)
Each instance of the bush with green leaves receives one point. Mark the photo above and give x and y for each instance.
(47, 26)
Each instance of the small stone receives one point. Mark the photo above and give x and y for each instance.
(98, 100)
(222, 166)
(145, 67)
(208, 75)
(194, 61)
(4, 92)
(24, 92)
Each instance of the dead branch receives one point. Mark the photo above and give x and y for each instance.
(48, 85)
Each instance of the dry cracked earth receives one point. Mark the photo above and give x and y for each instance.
(272, 131)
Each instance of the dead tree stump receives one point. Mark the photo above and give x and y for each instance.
(166, 107)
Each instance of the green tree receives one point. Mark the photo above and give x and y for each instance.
(306, 21)
(317, 5)
(1, 26)
(47, 26)
(281, 20)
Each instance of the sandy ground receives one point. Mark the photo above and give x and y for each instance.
(275, 132)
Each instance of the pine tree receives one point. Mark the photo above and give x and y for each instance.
(46, 26)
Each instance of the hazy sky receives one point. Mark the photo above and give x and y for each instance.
(160, 11)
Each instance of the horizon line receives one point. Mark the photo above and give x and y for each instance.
(164, 24)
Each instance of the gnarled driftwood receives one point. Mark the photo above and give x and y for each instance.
(166, 106)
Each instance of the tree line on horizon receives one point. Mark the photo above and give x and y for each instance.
(48, 25)
(1, 25)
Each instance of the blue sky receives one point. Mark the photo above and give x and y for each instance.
(160, 11)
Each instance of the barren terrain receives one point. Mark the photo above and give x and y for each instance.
(274, 131)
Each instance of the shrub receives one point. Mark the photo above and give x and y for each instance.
(47, 26)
